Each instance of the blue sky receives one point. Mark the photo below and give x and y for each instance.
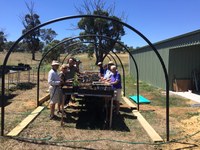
(156, 19)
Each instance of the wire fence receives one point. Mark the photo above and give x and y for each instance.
(13, 78)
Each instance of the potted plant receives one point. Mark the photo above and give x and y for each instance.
(75, 83)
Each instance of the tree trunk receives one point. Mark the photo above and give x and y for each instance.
(33, 55)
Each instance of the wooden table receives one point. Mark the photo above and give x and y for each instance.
(90, 92)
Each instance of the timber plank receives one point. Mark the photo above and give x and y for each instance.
(151, 132)
(25, 122)
(129, 102)
(45, 98)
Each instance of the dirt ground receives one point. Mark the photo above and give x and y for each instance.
(186, 131)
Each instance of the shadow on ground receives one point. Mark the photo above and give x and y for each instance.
(7, 99)
(92, 115)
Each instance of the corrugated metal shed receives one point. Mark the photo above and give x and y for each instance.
(181, 55)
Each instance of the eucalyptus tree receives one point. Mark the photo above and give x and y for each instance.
(29, 21)
(55, 53)
(101, 27)
(47, 35)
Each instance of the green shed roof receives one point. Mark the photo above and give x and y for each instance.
(188, 39)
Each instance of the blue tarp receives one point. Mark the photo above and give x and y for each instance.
(142, 100)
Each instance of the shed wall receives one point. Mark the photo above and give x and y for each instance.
(149, 66)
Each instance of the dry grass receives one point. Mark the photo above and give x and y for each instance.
(78, 133)
(17, 57)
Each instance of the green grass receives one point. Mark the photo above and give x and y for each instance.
(174, 101)
(146, 87)
(156, 94)
(191, 114)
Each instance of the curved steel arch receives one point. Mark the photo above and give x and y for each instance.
(38, 70)
(110, 59)
(53, 48)
(90, 42)
(135, 63)
(86, 16)
(106, 56)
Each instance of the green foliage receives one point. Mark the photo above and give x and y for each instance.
(46, 67)
(192, 114)
(8, 44)
(54, 54)
(47, 35)
(30, 21)
(100, 27)
(21, 47)
(72, 46)
(90, 50)
(75, 82)
(2, 40)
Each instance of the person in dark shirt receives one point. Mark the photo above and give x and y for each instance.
(71, 72)
(101, 70)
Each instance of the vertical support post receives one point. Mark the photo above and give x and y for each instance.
(33, 75)
(44, 73)
(111, 112)
(8, 83)
(18, 76)
(28, 75)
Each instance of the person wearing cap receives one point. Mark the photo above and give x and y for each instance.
(54, 87)
(108, 72)
(115, 81)
(101, 70)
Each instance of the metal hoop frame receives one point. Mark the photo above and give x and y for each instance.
(86, 16)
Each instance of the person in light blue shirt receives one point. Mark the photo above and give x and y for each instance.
(105, 67)
(108, 72)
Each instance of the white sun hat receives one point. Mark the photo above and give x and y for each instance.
(99, 63)
(110, 63)
(55, 62)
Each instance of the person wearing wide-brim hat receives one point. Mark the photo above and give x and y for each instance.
(54, 87)
(108, 72)
(110, 63)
